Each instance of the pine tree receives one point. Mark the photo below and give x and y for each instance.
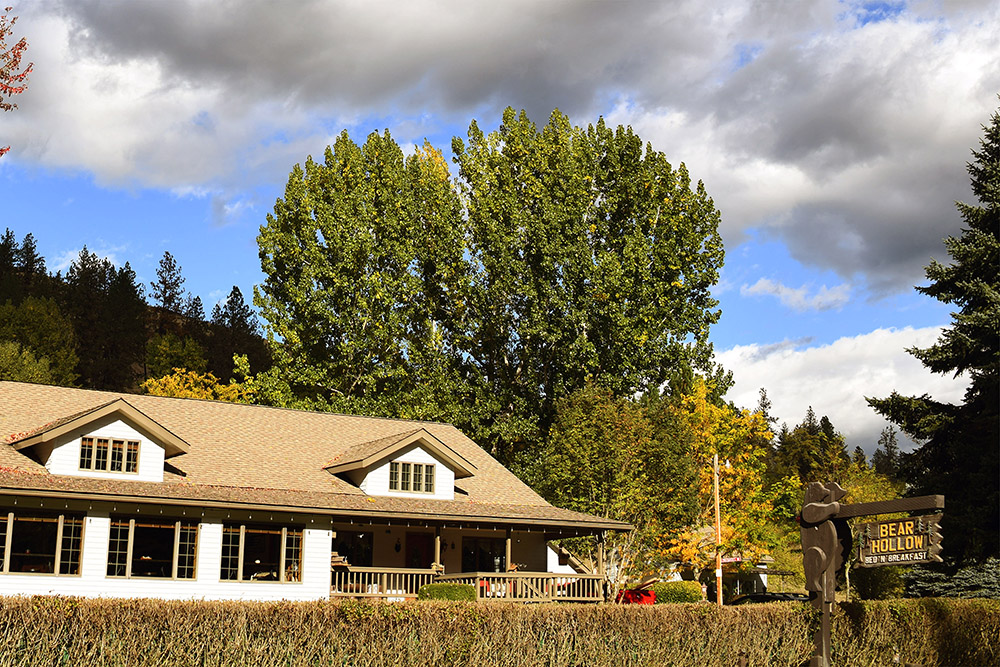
(30, 265)
(885, 458)
(959, 451)
(167, 291)
(194, 309)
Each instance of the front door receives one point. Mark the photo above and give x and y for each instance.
(419, 550)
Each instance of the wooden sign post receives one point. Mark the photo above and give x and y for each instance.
(827, 544)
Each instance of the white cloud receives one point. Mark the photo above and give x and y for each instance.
(846, 141)
(835, 379)
(799, 299)
(62, 261)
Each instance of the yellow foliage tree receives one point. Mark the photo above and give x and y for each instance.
(183, 383)
(741, 439)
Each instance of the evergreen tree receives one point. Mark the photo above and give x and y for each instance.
(885, 458)
(859, 458)
(812, 451)
(30, 265)
(959, 450)
(9, 283)
(108, 310)
(194, 309)
(235, 331)
(167, 292)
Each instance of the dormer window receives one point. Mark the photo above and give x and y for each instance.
(109, 455)
(411, 477)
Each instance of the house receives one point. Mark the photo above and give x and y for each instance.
(107, 494)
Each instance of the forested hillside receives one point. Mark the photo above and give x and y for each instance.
(94, 327)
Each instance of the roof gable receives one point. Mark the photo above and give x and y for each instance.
(367, 454)
(119, 408)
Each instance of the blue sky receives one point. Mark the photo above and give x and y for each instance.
(832, 135)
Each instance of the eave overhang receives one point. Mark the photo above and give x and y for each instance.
(120, 408)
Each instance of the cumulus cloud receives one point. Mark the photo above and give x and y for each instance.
(838, 130)
(834, 379)
(798, 298)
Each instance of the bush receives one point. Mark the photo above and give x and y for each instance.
(454, 592)
(972, 581)
(677, 591)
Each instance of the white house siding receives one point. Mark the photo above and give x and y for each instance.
(93, 582)
(65, 456)
(376, 482)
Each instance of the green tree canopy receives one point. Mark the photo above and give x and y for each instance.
(558, 255)
(20, 365)
(39, 326)
(959, 451)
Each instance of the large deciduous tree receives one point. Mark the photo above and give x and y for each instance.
(13, 77)
(959, 450)
(614, 458)
(558, 255)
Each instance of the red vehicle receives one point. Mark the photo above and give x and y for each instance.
(636, 596)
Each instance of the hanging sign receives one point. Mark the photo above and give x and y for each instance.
(907, 541)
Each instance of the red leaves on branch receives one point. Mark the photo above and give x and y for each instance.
(13, 79)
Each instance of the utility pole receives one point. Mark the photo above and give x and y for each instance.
(718, 534)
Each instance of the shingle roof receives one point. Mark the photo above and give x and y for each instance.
(257, 454)
(369, 453)
(354, 505)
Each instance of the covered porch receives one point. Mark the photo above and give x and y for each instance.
(502, 562)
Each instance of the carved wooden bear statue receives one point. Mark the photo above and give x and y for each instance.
(825, 544)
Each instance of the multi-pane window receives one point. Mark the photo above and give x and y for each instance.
(41, 543)
(261, 553)
(417, 477)
(152, 548)
(109, 454)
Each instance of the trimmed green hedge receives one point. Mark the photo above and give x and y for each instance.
(677, 591)
(139, 633)
(454, 592)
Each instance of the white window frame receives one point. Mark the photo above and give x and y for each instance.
(130, 544)
(89, 462)
(403, 476)
(289, 572)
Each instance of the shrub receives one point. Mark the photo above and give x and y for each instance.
(457, 592)
(972, 581)
(677, 591)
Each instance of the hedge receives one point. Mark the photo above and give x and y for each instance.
(136, 633)
(677, 591)
(446, 591)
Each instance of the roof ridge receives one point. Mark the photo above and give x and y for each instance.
(122, 396)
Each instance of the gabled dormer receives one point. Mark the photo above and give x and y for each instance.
(414, 464)
(111, 441)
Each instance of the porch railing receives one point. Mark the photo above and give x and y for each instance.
(397, 584)
(531, 586)
(394, 584)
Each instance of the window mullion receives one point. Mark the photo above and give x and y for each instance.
(281, 556)
(239, 562)
(59, 534)
(6, 548)
(177, 542)
(128, 550)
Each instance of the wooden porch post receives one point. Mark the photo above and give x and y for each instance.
(600, 565)
(507, 550)
(600, 554)
(437, 548)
